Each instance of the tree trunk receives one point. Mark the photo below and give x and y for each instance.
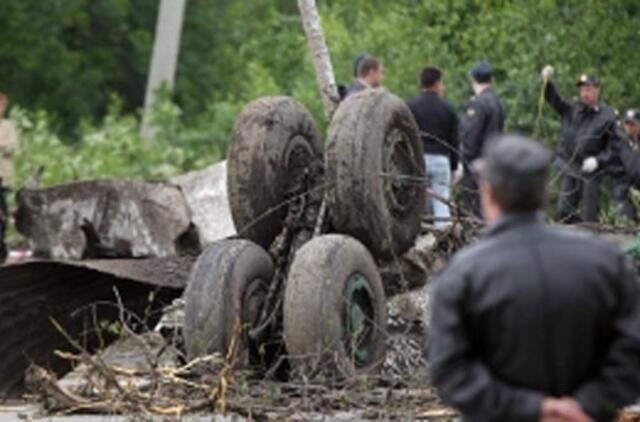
(320, 56)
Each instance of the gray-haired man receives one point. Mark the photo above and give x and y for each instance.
(534, 322)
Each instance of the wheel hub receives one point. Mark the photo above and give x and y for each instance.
(359, 319)
(401, 183)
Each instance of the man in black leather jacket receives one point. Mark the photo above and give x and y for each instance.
(534, 322)
(584, 148)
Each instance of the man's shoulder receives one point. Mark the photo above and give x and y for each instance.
(573, 238)
(607, 111)
(585, 239)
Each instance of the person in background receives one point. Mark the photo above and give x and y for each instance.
(483, 118)
(533, 322)
(370, 75)
(438, 124)
(8, 144)
(586, 147)
(621, 179)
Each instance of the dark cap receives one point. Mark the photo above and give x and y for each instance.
(512, 156)
(481, 72)
(586, 79)
(632, 115)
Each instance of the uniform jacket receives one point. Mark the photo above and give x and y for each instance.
(484, 117)
(533, 310)
(438, 124)
(586, 131)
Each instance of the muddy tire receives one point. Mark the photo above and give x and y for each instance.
(228, 283)
(375, 171)
(274, 139)
(335, 310)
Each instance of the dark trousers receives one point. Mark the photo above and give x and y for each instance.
(575, 190)
(623, 204)
(4, 220)
(470, 194)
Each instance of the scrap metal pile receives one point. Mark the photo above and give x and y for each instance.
(295, 301)
(289, 281)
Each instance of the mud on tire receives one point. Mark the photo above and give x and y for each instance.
(274, 139)
(334, 309)
(228, 283)
(375, 172)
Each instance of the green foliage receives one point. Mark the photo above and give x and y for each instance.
(114, 147)
(69, 57)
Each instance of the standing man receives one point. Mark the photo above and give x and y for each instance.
(8, 145)
(483, 118)
(587, 136)
(622, 180)
(534, 322)
(370, 75)
(438, 124)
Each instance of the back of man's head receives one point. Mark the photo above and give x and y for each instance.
(430, 76)
(356, 62)
(367, 65)
(516, 169)
(481, 73)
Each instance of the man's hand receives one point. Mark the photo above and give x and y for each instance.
(564, 409)
(589, 165)
(457, 174)
(547, 73)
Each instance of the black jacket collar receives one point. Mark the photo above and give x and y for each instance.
(512, 220)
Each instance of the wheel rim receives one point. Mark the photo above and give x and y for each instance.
(400, 174)
(252, 302)
(359, 319)
(297, 157)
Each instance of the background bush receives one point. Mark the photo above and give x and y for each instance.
(76, 69)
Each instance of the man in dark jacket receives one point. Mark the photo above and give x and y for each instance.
(622, 180)
(438, 124)
(370, 75)
(534, 322)
(483, 118)
(584, 148)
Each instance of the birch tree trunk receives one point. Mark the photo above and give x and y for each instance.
(320, 56)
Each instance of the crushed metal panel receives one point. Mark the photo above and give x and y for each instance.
(78, 296)
(206, 194)
(171, 271)
(104, 218)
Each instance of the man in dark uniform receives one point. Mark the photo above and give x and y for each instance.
(534, 322)
(484, 117)
(370, 75)
(438, 124)
(585, 147)
(621, 179)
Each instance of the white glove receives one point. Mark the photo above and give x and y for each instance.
(457, 174)
(547, 72)
(589, 165)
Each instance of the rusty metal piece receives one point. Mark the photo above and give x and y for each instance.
(82, 298)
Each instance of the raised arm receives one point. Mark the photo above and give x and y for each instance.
(559, 104)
